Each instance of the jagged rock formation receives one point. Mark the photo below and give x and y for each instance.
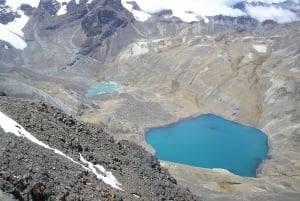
(31, 172)
(238, 23)
(102, 22)
(6, 14)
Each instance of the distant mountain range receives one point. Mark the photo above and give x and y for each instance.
(14, 14)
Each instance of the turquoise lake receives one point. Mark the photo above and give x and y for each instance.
(102, 87)
(210, 141)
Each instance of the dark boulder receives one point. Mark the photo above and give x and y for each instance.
(6, 14)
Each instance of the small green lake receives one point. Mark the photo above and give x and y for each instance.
(101, 88)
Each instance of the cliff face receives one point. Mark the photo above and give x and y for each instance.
(103, 22)
(32, 172)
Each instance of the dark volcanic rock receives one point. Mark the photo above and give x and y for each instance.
(164, 12)
(6, 14)
(241, 22)
(28, 9)
(49, 6)
(115, 4)
(102, 22)
(46, 14)
(243, 5)
(135, 6)
(270, 23)
(31, 172)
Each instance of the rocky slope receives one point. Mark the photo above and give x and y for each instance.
(31, 172)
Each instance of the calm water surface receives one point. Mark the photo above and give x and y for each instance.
(212, 142)
(102, 87)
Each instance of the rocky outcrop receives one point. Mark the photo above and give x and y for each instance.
(31, 172)
(47, 10)
(102, 22)
(239, 23)
(6, 14)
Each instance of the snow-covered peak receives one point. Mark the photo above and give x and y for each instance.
(138, 14)
(194, 10)
(12, 31)
(16, 4)
(63, 6)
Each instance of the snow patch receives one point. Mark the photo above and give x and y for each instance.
(195, 10)
(260, 48)
(15, 4)
(63, 3)
(13, 39)
(11, 126)
(250, 55)
(63, 8)
(188, 10)
(138, 15)
(98, 170)
(12, 32)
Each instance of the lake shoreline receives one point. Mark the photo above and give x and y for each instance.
(259, 165)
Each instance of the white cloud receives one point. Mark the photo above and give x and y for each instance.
(187, 10)
(181, 7)
(271, 13)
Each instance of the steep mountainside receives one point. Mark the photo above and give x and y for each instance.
(32, 172)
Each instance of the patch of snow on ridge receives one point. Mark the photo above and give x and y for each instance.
(15, 4)
(12, 32)
(63, 3)
(138, 15)
(63, 7)
(108, 177)
(195, 10)
(188, 10)
(11, 126)
(260, 48)
(13, 39)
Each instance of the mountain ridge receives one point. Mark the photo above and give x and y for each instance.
(25, 171)
(10, 12)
